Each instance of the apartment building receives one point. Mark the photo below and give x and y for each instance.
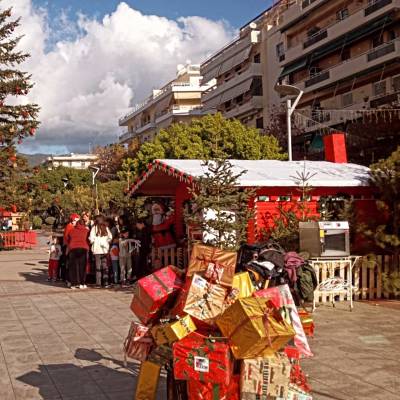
(177, 101)
(344, 55)
(236, 70)
(77, 161)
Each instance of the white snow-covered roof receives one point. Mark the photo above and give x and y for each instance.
(283, 173)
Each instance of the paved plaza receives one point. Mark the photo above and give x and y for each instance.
(57, 343)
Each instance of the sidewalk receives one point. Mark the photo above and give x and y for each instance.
(61, 344)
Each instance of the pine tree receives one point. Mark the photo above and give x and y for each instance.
(221, 206)
(17, 120)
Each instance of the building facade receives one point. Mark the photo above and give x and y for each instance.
(77, 161)
(177, 101)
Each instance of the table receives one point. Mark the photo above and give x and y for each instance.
(335, 278)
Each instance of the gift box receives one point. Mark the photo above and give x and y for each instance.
(307, 322)
(173, 331)
(204, 359)
(160, 355)
(208, 391)
(204, 300)
(295, 393)
(214, 264)
(264, 378)
(147, 382)
(254, 329)
(242, 287)
(282, 298)
(153, 291)
(138, 343)
(298, 378)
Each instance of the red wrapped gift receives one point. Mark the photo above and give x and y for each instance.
(208, 391)
(138, 343)
(153, 291)
(201, 358)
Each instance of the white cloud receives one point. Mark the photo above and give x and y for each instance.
(85, 82)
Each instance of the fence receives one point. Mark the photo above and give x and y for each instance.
(174, 256)
(17, 240)
(367, 278)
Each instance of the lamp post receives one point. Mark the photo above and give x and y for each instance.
(95, 171)
(291, 91)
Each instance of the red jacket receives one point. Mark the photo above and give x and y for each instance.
(78, 238)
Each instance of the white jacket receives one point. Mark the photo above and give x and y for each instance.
(100, 244)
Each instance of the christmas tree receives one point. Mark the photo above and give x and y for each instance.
(221, 207)
(17, 120)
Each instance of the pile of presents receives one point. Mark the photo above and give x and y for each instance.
(217, 335)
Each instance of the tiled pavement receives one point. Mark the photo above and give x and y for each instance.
(61, 344)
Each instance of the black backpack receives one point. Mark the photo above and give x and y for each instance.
(306, 282)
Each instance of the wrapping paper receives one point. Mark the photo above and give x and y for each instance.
(160, 355)
(281, 297)
(264, 377)
(254, 329)
(171, 332)
(208, 391)
(295, 393)
(146, 388)
(307, 322)
(214, 264)
(153, 291)
(242, 287)
(205, 301)
(138, 343)
(203, 359)
(299, 379)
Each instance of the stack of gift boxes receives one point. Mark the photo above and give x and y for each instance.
(217, 334)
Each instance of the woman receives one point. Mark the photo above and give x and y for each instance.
(78, 245)
(100, 238)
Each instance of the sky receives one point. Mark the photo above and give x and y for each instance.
(92, 60)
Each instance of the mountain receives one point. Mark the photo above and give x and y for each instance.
(35, 159)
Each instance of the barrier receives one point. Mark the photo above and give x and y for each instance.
(173, 256)
(18, 240)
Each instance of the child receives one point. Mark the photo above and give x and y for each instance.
(114, 255)
(126, 248)
(54, 259)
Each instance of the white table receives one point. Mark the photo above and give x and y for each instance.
(335, 278)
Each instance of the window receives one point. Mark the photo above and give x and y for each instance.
(314, 71)
(396, 83)
(347, 99)
(280, 51)
(345, 54)
(256, 86)
(70, 163)
(239, 99)
(260, 123)
(377, 40)
(313, 31)
(379, 88)
(228, 105)
(257, 58)
(342, 14)
(391, 35)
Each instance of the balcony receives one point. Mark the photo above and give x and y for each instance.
(253, 70)
(381, 51)
(125, 137)
(307, 3)
(353, 67)
(253, 104)
(178, 110)
(377, 5)
(385, 99)
(144, 128)
(340, 28)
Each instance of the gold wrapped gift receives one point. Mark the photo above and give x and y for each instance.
(214, 264)
(254, 329)
(243, 285)
(205, 300)
(147, 382)
(171, 332)
(264, 378)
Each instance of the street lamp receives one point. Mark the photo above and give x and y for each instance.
(291, 91)
(95, 171)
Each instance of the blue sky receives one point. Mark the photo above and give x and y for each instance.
(237, 12)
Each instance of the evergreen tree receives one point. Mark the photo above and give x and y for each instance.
(221, 206)
(17, 120)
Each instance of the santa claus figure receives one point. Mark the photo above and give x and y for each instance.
(162, 227)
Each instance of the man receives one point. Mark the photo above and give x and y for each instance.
(73, 219)
(142, 234)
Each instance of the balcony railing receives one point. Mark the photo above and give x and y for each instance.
(322, 34)
(375, 6)
(384, 100)
(317, 78)
(381, 51)
(306, 3)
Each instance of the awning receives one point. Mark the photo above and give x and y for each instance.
(212, 103)
(236, 90)
(237, 59)
(299, 64)
(163, 104)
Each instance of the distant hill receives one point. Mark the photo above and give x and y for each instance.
(35, 159)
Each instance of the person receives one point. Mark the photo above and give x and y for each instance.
(126, 247)
(142, 234)
(78, 245)
(54, 258)
(100, 238)
(86, 218)
(114, 255)
(73, 219)
(112, 227)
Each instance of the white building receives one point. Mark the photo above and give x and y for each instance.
(77, 161)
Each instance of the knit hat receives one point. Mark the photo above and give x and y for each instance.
(74, 217)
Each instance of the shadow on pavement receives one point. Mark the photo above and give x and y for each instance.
(95, 381)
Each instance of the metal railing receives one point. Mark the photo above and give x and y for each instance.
(322, 34)
(381, 51)
(375, 6)
(322, 76)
